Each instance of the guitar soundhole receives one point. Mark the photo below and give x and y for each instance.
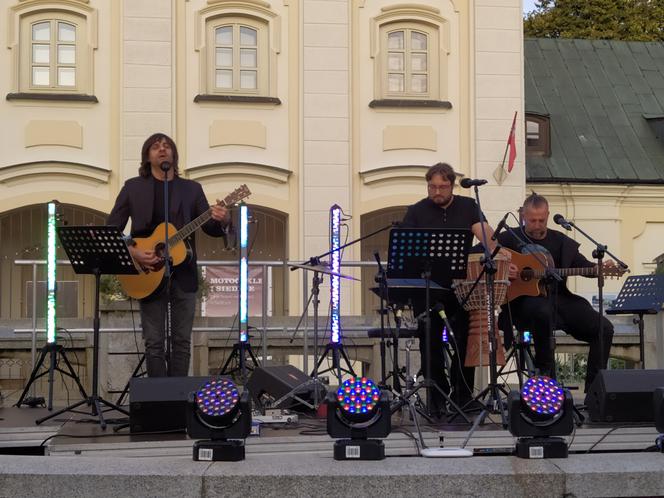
(527, 274)
(159, 251)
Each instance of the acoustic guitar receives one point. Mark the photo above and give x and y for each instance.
(532, 270)
(146, 282)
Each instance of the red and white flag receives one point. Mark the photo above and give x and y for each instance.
(511, 145)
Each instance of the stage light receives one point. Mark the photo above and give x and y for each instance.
(220, 416)
(335, 281)
(357, 412)
(51, 263)
(538, 414)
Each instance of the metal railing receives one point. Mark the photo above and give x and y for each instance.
(264, 304)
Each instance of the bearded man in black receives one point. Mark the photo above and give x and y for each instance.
(442, 209)
(559, 309)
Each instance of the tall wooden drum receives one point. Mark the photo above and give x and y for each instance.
(477, 350)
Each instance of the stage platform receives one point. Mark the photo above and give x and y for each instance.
(79, 459)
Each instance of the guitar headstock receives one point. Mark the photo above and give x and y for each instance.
(614, 271)
(236, 195)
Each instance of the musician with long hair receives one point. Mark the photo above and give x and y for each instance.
(142, 200)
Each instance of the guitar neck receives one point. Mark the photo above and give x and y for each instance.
(191, 227)
(568, 272)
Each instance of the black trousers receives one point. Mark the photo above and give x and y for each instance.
(462, 378)
(572, 314)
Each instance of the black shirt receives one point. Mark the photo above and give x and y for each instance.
(461, 213)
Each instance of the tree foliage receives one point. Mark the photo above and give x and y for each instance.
(630, 20)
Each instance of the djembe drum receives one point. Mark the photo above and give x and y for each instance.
(477, 305)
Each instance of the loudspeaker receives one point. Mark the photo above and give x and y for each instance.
(268, 384)
(623, 395)
(658, 409)
(160, 403)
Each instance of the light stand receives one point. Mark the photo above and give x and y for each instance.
(314, 264)
(335, 346)
(51, 349)
(242, 347)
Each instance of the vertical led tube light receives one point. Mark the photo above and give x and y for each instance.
(335, 242)
(244, 277)
(50, 275)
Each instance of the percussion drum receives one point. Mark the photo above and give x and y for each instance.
(477, 350)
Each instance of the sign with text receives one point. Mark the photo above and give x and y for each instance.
(222, 297)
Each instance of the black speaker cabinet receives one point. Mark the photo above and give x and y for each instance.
(268, 384)
(160, 403)
(623, 395)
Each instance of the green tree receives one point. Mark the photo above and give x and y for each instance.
(630, 20)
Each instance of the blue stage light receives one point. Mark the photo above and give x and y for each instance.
(542, 396)
(217, 399)
(358, 396)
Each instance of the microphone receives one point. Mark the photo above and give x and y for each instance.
(560, 220)
(501, 225)
(467, 182)
(165, 166)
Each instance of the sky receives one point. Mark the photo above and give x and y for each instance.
(528, 5)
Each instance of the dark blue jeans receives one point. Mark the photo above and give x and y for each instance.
(153, 320)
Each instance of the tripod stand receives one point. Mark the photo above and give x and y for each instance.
(521, 354)
(95, 250)
(413, 253)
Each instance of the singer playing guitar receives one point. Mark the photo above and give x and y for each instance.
(559, 308)
(142, 200)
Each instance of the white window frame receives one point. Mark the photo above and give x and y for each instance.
(19, 39)
(252, 13)
(262, 63)
(411, 18)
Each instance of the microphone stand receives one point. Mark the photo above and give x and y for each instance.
(489, 268)
(165, 167)
(598, 254)
(381, 279)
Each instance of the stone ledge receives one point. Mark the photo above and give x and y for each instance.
(624, 474)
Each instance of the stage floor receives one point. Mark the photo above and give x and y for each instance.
(79, 434)
(82, 460)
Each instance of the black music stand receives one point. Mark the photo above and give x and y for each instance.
(640, 295)
(431, 254)
(95, 250)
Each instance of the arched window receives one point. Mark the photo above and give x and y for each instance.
(239, 62)
(53, 45)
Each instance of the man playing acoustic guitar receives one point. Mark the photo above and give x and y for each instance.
(142, 200)
(559, 308)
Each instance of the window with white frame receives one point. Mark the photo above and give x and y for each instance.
(238, 56)
(53, 53)
(409, 61)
